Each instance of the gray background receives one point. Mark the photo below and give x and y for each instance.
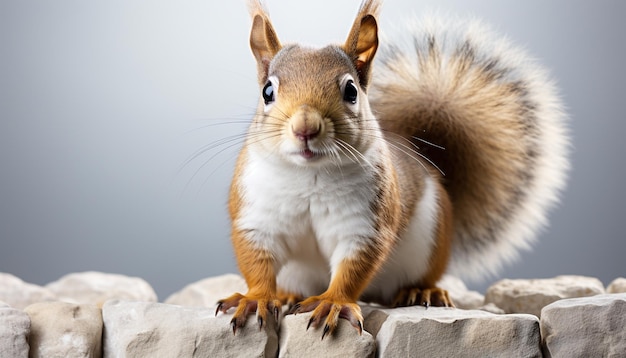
(101, 104)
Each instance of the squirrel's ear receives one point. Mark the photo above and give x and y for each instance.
(263, 40)
(362, 41)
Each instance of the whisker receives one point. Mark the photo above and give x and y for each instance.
(412, 151)
(205, 181)
(341, 145)
(350, 120)
(429, 143)
(211, 146)
(206, 162)
(222, 123)
(228, 143)
(334, 155)
(415, 151)
(352, 150)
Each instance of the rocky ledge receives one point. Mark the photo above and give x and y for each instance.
(94, 314)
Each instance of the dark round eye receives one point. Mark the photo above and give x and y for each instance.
(350, 92)
(268, 92)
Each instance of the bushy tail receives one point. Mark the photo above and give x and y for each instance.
(500, 122)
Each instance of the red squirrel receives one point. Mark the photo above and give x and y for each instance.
(363, 180)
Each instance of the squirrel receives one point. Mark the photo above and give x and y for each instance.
(367, 181)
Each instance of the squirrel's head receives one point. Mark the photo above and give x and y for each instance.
(313, 107)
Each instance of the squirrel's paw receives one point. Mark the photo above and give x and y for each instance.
(248, 304)
(330, 311)
(412, 296)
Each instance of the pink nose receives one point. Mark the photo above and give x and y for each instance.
(306, 133)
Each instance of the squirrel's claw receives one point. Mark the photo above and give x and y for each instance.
(426, 297)
(329, 311)
(246, 305)
(227, 303)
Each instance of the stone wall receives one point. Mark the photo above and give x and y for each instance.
(95, 314)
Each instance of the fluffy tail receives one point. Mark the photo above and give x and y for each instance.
(500, 123)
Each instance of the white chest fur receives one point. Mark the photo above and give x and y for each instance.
(305, 211)
(310, 219)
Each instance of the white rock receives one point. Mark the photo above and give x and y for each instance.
(447, 332)
(20, 294)
(97, 287)
(530, 296)
(14, 331)
(585, 327)
(144, 329)
(297, 341)
(206, 293)
(490, 307)
(61, 329)
(617, 286)
(459, 294)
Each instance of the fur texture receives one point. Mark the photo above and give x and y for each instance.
(364, 182)
(498, 117)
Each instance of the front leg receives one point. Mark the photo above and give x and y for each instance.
(351, 276)
(258, 268)
(359, 255)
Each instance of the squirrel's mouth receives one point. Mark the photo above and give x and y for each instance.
(308, 154)
(305, 154)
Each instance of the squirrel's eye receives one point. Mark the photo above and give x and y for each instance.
(268, 93)
(350, 92)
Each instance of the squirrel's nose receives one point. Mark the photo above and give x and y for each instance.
(305, 133)
(306, 124)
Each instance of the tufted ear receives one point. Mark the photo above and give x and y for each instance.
(263, 40)
(362, 41)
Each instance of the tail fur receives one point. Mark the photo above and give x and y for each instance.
(499, 120)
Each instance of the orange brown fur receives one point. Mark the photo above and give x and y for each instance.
(324, 185)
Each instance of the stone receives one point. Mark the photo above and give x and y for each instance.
(585, 327)
(450, 332)
(490, 307)
(147, 329)
(206, 293)
(97, 287)
(297, 341)
(460, 295)
(617, 286)
(61, 329)
(530, 296)
(20, 294)
(14, 331)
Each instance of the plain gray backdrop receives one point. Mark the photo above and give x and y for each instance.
(102, 103)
